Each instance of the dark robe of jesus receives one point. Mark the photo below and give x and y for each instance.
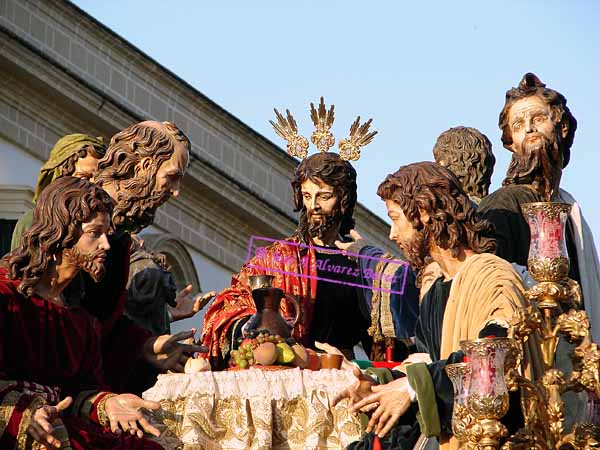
(503, 209)
(340, 317)
(56, 347)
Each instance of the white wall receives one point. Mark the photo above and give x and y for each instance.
(17, 167)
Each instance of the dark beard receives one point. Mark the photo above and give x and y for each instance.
(87, 262)
(319, 228)
(539, 163)
(417, 250)
(134, 212)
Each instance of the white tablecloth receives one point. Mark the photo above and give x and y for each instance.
(254, 409)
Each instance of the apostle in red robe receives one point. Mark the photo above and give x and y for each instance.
(50, 350)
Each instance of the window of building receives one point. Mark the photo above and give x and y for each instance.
(6, 230)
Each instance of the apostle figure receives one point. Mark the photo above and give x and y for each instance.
(324, 188)
(51, 350)
(538, 127)
(477, 296)
(467, 152)
(143, 167)
(74, 154)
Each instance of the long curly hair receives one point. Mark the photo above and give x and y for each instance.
(531, 85)
(453, 220)
(332, 170)
(134, 209)
(59, 213)
(467, 152)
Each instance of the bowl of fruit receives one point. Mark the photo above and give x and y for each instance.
(264, 351)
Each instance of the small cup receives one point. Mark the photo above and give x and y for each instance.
(329, 361)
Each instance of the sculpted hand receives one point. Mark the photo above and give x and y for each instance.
(390, 401)
(124, 411)
(360, 389)
(355, 235)
(41, 428)
(188, 306)
(167, 353)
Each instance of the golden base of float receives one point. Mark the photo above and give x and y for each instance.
(554, 314)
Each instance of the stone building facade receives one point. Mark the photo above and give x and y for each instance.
(61, 72)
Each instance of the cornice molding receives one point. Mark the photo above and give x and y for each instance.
(15, 201)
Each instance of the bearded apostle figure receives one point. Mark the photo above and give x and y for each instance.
(539, 129)
(476, 296)
(142, 168)
(50, 349)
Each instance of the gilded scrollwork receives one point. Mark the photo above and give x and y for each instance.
(548, 269)
(526, 322)
(583, 436)
(575, 324)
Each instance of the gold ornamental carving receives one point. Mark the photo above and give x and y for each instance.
(548, 269)
(554, 313)
(322, 137)
(322, 119)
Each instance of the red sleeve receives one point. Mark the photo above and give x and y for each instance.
(16, 410)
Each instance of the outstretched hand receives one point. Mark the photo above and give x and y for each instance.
(357, 391)
(188, 306)
(167, 353)
(40, 427)
(123, 412)
(355, 235)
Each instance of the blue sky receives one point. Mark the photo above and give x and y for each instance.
(417, 68)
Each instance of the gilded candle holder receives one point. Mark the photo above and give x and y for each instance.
(548, 259)
(487, 398)
(459, 376)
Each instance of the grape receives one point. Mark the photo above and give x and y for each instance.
(260, 339)
(249, 355)
(243, 364)
(251, 361)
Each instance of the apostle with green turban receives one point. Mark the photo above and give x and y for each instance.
(75, 155)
